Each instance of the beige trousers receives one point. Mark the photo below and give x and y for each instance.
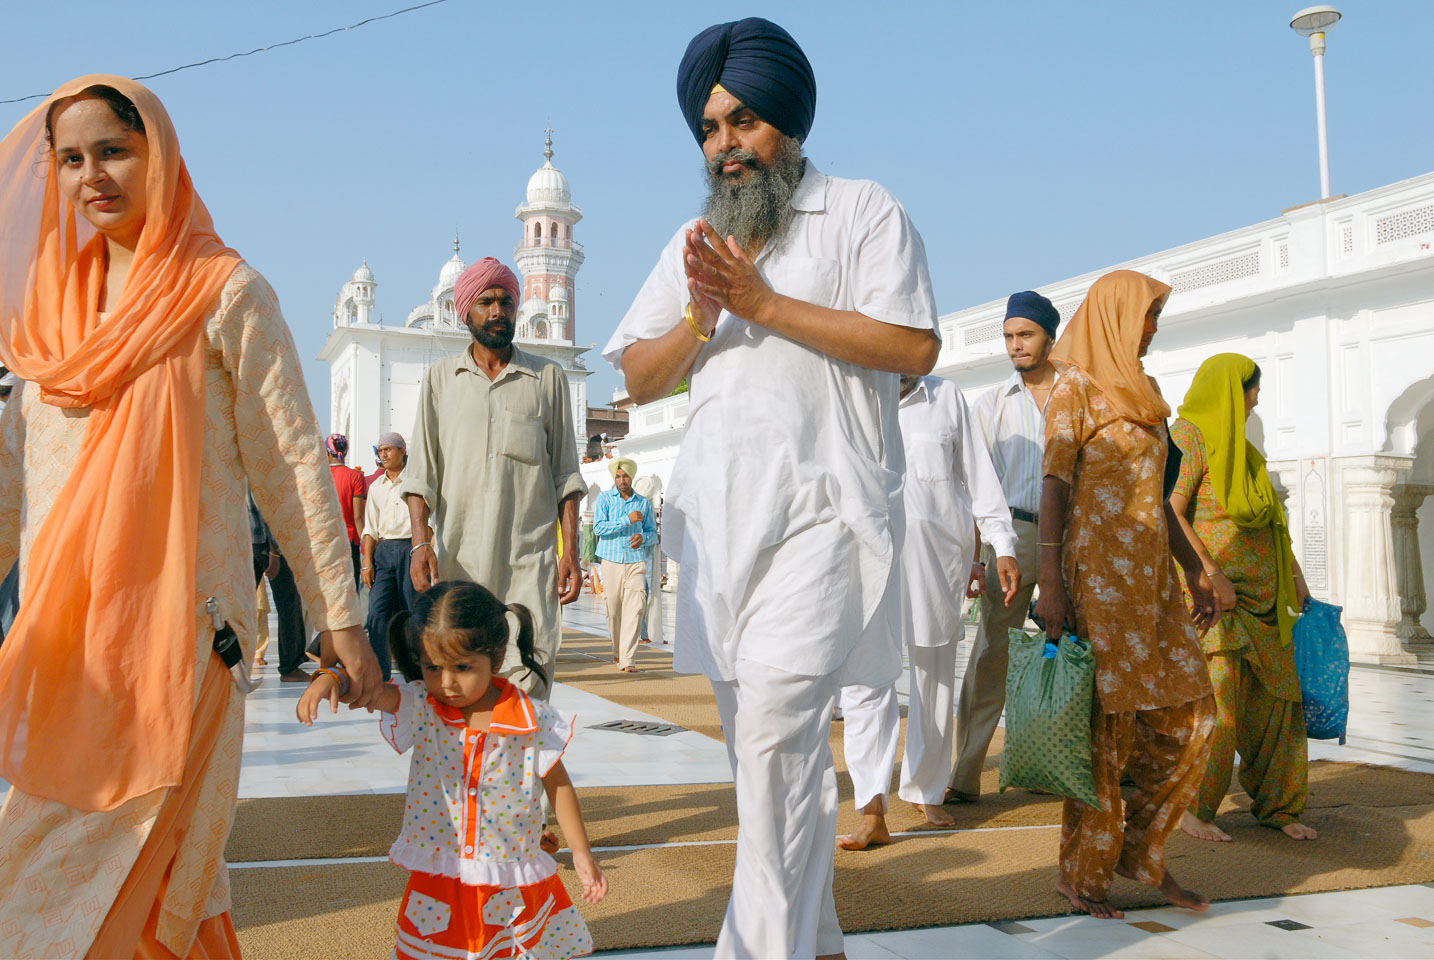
(983, 689)
(625, 595)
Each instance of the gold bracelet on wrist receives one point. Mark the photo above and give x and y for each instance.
(692, 322)
(1042, 543)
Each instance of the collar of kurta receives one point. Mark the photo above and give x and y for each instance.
(1016, 384)
(919, 393)
(512, 714)
(811, 193)
(519, 362)
(383, 478)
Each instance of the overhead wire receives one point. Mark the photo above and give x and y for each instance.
(263, 49)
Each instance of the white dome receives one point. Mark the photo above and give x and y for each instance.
(451, 271)
(363, 274)
(559, 292)
(549, 185)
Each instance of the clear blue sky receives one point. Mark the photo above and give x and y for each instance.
(1030, 141)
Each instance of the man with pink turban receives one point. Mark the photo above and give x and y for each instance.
(494, 461)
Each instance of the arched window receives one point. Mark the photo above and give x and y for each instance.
(538, 230)
(540, 330)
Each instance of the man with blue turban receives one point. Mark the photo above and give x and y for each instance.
(791, 306)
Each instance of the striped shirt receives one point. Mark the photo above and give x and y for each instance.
(614, 529)
(1014, 429)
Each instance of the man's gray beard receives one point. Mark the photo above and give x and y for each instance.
(757, 207)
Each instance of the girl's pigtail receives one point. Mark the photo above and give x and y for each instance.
(525, 641)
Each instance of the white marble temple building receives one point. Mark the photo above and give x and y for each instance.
(1335, 301)
(376, 368)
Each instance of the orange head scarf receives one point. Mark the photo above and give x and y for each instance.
(97, 674)
(1103, 339)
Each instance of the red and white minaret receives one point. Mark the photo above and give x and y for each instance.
(547, 256)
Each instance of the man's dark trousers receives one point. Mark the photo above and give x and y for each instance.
(288, 608)
(392, 593)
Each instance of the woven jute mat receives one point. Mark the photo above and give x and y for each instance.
(675, 895)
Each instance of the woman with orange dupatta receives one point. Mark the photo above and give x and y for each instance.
(159, 381)
(1106, 538)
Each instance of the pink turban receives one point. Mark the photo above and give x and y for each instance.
(483, 275)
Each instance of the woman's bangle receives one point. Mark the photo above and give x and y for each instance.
(341, 678)
(418, 546)
(692, 322)
(1043, 543)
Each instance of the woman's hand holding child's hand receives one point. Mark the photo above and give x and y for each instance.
(594, 883)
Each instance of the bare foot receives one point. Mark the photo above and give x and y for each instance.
(295, 676)
(957, 796)
(1180, 897)
(935, 814)
(549, 842)
(872, 832)
(1300, 831)
(629, 669)
(1100, 909)
(261, 662)
(1203, 829)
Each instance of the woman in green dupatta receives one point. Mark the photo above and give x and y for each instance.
(1233, 518)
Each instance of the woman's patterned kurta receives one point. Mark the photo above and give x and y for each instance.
(1116, 559)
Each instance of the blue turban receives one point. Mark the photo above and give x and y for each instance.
(1029, 305)
(755, 61)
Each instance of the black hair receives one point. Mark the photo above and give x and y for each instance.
(123, 108)
(459, 618)
(1252, 380)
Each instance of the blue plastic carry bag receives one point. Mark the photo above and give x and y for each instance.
(1322, 662)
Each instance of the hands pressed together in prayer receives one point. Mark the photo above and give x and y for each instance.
(721, 276)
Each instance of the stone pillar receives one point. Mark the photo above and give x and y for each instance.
(1369, 594)
(1285, 475)
(1407, 565)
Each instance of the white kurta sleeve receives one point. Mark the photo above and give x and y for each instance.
(890, 279)
(659, 305)
(988, 503)
(401, 727)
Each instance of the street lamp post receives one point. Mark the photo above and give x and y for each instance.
(1312, 22)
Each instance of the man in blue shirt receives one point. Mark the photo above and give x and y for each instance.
(623, 524)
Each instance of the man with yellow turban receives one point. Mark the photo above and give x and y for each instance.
(791, 306)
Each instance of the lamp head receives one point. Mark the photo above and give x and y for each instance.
(1316, 19)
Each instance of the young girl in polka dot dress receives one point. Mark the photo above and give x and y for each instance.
(479, 883)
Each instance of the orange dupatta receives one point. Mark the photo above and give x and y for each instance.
(97, 676)
(1103, 339)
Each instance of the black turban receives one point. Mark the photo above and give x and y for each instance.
(757, 62)
(1029, 305)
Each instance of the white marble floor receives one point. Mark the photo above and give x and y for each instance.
(1388, 922)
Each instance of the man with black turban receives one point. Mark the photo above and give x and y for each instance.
(1011, 420)
(791, 307)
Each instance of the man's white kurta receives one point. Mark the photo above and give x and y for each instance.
(949, 481)
(784, 507)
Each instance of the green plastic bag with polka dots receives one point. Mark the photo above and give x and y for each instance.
(1049, 687)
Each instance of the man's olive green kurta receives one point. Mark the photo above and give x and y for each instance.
(493, 459)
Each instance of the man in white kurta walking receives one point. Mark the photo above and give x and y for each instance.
(949, 483)
(789, 307)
